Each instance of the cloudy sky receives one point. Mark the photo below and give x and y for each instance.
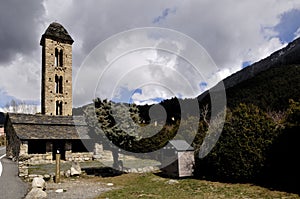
(138, 65)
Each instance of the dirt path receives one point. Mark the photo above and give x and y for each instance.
(77, 189)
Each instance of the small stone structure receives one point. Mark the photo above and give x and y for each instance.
(182, 155)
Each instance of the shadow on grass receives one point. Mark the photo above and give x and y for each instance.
(273, 183)
(168, 176)
(102, 171)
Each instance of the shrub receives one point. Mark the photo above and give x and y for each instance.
(283, 165)
(241, 151)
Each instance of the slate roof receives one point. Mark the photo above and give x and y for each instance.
(48, 127)
(180, 145)
(57, 32)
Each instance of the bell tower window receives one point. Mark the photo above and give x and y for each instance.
(56, 57)
(61, 58)
(58, 84)
(58, 108)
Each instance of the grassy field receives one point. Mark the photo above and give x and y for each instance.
(154, 186)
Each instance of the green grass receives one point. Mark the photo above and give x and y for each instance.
(153, 186)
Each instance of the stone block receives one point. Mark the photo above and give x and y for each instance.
(75, 169)
(36, 193)
(38, 182)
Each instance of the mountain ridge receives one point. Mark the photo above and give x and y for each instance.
(284, 57)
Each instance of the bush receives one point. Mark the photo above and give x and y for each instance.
(283, 165)
(241, 151)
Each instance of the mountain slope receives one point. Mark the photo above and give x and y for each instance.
(269, 83)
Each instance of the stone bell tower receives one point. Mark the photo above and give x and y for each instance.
(56, 71)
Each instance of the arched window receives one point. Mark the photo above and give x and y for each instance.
(56, 57)
(59, 108)
(58, 84)
(61, 62)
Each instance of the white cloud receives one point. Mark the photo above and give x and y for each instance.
(21, 78)
(231, 31)
(265, 50)
(225, 30)
(297, 33)
(172, 63)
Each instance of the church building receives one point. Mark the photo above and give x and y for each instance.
(37, 138)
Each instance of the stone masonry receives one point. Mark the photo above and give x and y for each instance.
(56, 71)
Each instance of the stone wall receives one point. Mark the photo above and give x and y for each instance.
(49, 70)
(26, 159)
(79, 157)
(36, 159)
(40, 159)
(23, 168)
(23, 148)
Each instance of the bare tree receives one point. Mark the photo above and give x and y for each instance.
(204, 114)
(20, 107)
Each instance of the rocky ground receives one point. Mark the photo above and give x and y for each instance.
(91, 173)
(72, 188)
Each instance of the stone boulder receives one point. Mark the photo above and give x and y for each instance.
(75, 169)
(172, 181)
(36, 193)
(38, 182)
(68, 173)
(38, 187)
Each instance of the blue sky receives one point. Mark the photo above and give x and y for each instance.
(5, 98)
(234, 34)
(288, 26)
(164, 15)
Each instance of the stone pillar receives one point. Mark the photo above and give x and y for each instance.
(24, 148)
(23, 169)
(22, 164)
